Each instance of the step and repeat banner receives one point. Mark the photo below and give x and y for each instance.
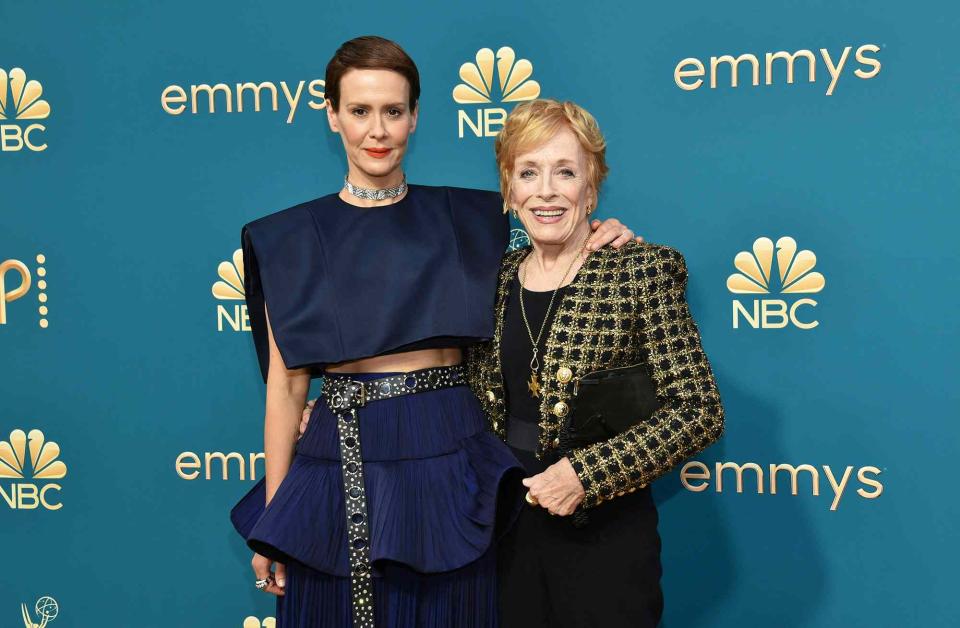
(802, 155)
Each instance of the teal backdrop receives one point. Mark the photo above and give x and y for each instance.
(130, 400)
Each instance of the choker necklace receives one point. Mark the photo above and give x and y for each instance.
(374, 194)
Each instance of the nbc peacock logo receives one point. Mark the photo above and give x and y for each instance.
(21, 103)
(513, 85)
(795, 274)
(44, 465)
(230, 288)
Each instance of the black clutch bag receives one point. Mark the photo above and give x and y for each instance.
(606, 403)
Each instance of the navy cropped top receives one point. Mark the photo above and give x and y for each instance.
(343, 282)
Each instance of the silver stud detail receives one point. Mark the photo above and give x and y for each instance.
(345, 396)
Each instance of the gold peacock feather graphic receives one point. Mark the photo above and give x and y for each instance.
(43, 456)
(24, 101)
(794, 268)
(513, 77)
(231, 287)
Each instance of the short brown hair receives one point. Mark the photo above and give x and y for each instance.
(370, 53)
(532, 123)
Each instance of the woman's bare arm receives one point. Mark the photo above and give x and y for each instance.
(286, 393)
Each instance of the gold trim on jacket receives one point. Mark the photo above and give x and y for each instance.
(625, 306)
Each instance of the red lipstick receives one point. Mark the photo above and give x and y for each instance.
(378, 153)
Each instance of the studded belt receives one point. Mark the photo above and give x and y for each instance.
(344, 396)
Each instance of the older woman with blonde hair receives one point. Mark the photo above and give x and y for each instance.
(613, 324)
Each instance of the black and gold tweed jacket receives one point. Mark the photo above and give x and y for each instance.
(625, 306)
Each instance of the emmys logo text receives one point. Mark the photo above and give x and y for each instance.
(513, 85)
(232, 316)
(15, 283)
(240, 97)
(795, 277)
(20, 103)
(22, 494)
(218, 465)
(696, 477)
(46, 609)
(688, 71)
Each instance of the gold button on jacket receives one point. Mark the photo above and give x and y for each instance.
(624, 306)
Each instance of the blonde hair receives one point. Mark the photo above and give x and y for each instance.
(534, 122)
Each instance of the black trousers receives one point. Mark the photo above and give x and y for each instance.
(606, 574)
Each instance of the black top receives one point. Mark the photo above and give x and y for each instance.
(516, 350)
(343, 282)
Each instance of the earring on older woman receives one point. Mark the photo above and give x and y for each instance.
(515, 214)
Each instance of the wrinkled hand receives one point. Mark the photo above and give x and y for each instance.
(557, 489)
(261, 569)
(305, 417)
(611, 231)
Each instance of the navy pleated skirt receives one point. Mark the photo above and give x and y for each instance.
(440, 489)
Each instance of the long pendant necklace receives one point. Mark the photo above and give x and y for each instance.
(533, 384)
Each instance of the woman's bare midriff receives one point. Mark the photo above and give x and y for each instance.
(400, 362)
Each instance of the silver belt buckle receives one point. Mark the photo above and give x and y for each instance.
(345, 396)
(363, 392)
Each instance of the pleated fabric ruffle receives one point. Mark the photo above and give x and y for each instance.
(463, 598)
(439, 487)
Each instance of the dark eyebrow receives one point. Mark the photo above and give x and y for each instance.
(396, 105)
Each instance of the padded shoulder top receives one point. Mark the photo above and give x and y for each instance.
(342, 282)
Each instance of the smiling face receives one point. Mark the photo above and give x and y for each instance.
(374, 121)
(550, 190)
